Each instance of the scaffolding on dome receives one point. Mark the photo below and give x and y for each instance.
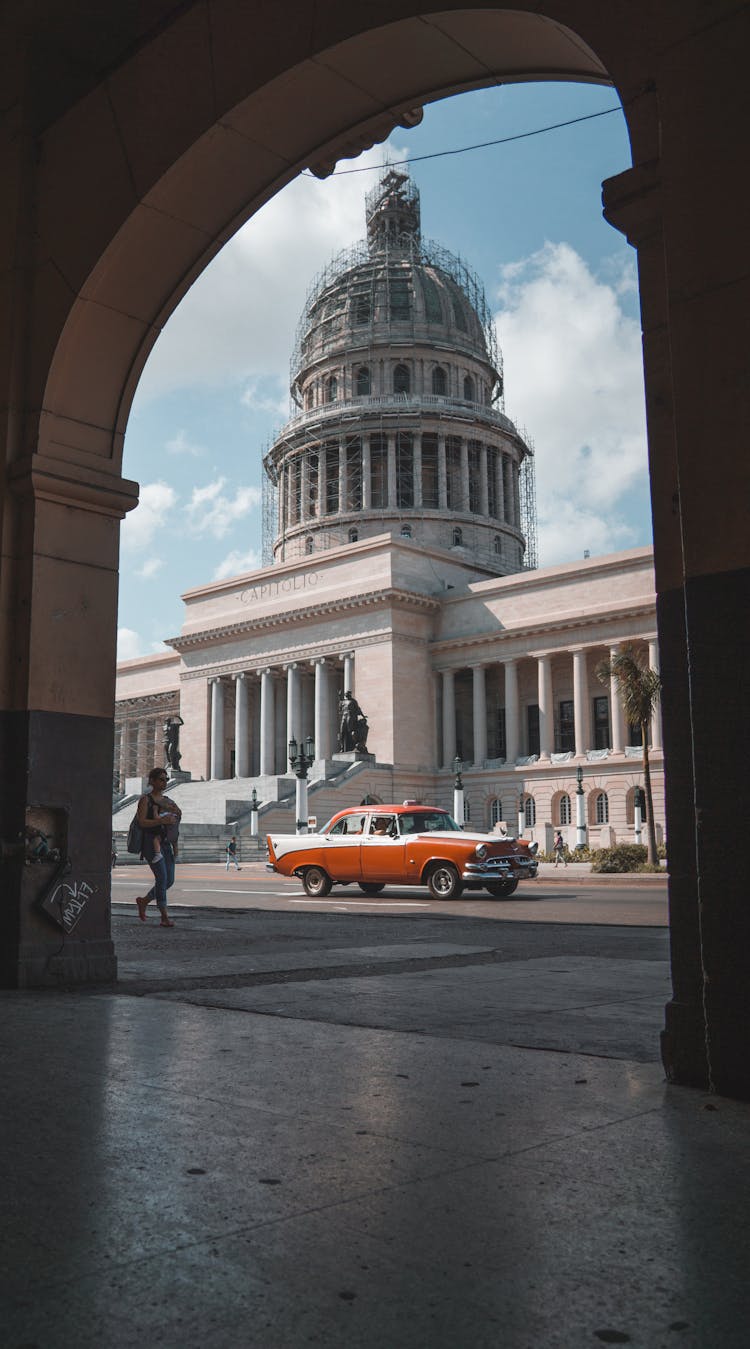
(527, 494)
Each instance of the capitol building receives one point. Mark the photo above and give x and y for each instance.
(400, 562)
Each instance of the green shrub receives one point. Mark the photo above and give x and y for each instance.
(623, 857)
(655, 867)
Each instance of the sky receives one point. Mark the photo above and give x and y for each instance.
(561, 283)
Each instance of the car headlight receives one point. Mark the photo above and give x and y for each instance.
(481, 850)
(534, 849)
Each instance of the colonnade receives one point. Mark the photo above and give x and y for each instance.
(282, 705)
(419, 469)
(139, 744)
(515, 739)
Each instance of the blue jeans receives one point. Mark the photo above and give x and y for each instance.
(163, 869)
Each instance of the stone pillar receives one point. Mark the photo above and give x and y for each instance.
(366, 475)
(500, 485)
(615, 711)
(293, 704)
(217, 729)
(241, 733)
(512, 738)
(653, 662)
(442, 473)
(418, 496)
(581, 711)
(304, 509)
(343, 494)
(465, 493)
(449, 718)
(267, 724)
(546, 718)
(392, 480)
(322, 708)
(142, 767)
(484, 494)
(348, 660)
(480, 715)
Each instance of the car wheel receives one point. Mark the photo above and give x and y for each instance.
(369, 888)
(444, 881)
(316, 882)
(502, 889)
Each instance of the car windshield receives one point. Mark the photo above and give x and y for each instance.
(427, 821)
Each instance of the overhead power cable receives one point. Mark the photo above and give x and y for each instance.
(482, 145)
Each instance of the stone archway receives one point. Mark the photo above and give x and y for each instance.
(125, 183)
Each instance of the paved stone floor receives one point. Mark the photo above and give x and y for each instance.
(345, 1131)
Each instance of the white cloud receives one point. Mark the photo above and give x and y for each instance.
(151, 566)
(256, 399)
(574, 379)
(129, 644)
(209, 511)
(236, 320)
(236, 562)
(150, 517)
(180, 444)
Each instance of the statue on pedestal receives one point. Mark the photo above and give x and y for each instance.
(353, 725)
(172, 741)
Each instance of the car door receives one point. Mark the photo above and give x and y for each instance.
(383, 855)
(342, 849)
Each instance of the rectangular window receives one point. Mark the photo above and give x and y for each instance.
(429, 472)
(378, 472)
(400, 299)
(532, 727)
(492, 481)
(566, 735)
(296, 489)
(634, 735)
(601, 722)
(475, 482)
(332, 479)
(405, 469)
(453, 469)
(496, 734)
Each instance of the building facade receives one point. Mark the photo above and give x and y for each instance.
(401, 551)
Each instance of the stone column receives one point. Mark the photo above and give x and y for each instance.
(546, 717)
(366, 475)
(480, 715)
(348, 660)
(484, 494)
(124, 741)
(442, 473)
(267, 724)
(217, 729)
(500, 485)
(581, 713)
(392, 481)
(511, 711)
(293, 704)
(653, 662)
(449, 718)
(615, 711)
(304, 509)
(322, 706)
(141, 749)
(418, 469)
(343, 494)
(241, 736)
(465, 493)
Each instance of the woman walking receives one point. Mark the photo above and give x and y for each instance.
(159, 819)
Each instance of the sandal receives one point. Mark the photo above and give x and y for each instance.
(166, 922)
(141, 901)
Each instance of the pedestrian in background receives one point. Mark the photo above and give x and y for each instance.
(231, 851)
(159, 817)
(558, 848)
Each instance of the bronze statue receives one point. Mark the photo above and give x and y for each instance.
(172, 741)
(353, 725)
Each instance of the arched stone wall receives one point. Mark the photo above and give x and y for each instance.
(127, 171)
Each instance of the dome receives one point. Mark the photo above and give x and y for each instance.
(399, 427)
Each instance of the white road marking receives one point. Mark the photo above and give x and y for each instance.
(368, 903)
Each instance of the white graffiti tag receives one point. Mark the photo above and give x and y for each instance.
(70, 898)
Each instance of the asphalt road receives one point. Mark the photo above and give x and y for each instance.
(623, 902)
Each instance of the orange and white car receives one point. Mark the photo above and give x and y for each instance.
(410, 844)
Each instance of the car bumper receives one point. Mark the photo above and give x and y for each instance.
(484, 874)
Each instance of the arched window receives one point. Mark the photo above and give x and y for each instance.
(458, 538)
(363, 381)
(309, 543)
(565, 810)
(497, 545)
(469, 392)
(401, 379)
(332, 389)
(309, 397)
(496, 811)
(602, 808)
(439, 380)
(353, 535)
(406, 531)
(529, 812)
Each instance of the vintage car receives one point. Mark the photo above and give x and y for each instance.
(410, 844)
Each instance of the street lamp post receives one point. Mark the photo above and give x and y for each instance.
(458, 792)
(254, 803)
(638, 813)
(521, 811)
(580, 810)
(301, 758)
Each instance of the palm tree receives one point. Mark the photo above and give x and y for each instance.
(639, 689)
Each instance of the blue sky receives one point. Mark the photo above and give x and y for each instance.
(561, 282)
